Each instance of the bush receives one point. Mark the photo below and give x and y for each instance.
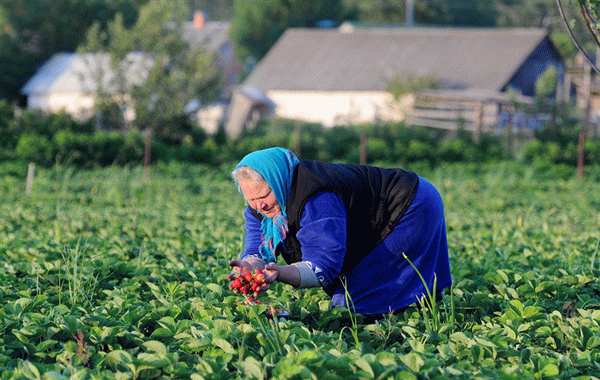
(421, 151)
(8, 137)
(377, 150)
(34, 148)
(341, 141)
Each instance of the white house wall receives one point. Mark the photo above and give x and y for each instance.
(75, 104)
(338, 108)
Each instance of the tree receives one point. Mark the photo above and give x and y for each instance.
(172, 75)
(215, 9)
(33, 30)
(589, 10)
(256, 25)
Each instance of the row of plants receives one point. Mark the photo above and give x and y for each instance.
(57, 139)
(107, 274)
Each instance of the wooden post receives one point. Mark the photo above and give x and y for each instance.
(30, 174)
(587, 89)
(147, 153)
(298, 138)
(363, 149)
(509, 132)
(479, 127)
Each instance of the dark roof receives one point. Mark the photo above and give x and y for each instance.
(367, 59)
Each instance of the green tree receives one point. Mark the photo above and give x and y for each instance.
(173, 75)
(256, 25)
(8, 137)
(425, 12)
(33, 30)
(214, 9)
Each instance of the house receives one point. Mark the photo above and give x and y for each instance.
(69, 82)
(343, 75)
(66, 81)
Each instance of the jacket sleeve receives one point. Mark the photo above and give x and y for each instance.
(322, 235)
(253, 235)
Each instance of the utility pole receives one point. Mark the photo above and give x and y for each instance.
(410, 12)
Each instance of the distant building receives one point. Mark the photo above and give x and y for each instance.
(69, 82)
(66, 81)
(342, 76)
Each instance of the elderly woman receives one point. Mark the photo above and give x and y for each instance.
(342, 227)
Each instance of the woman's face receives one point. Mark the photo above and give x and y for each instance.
(260, 197)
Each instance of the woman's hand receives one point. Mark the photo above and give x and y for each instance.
(243, 266)
(271, 272)
(239, 267)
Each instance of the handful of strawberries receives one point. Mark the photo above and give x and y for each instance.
(247, 282)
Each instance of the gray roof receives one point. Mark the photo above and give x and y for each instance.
(367, 59)
(212, 35)
(73, 72)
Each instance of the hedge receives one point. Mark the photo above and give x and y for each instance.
(53, 139)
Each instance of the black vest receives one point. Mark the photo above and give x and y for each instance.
(375, 200)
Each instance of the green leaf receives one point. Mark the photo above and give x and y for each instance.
(531, 311)
(550, 370)
(413, 361)
(118, 357)
(593, 342)
(461, 338)
(168, 323)
(405, 375)
(365, 366)
(516, 306)
(162, 333)
(21, 337)
(215, 288)
(224, 345)
(153, 360)
(46, 344)
(253, 368)
(155, 347)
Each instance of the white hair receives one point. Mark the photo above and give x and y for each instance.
(247, 174)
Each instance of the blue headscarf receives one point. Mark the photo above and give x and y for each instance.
(276, 165)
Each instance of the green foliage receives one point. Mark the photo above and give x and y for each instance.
(34, 148)
(106, 275)
(175, 74)
(33, 30)
(401, 86)
(8, 136)
(257, 25)
(545, 85)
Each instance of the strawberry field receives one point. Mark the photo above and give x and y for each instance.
(108, 275)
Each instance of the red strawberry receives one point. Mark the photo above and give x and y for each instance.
(248, 277)
(244, 289)
(235, 284)
(254, 286)
(259, 278)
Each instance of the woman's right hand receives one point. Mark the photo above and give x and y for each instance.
(239, 267)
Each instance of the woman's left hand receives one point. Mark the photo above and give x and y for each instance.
(271, 272)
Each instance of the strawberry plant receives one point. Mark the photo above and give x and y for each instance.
(106, 275)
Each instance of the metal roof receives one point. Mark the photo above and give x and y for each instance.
(74, 72)
(86, 73)
(354, 59)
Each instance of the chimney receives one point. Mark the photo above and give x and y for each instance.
(199, 19)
